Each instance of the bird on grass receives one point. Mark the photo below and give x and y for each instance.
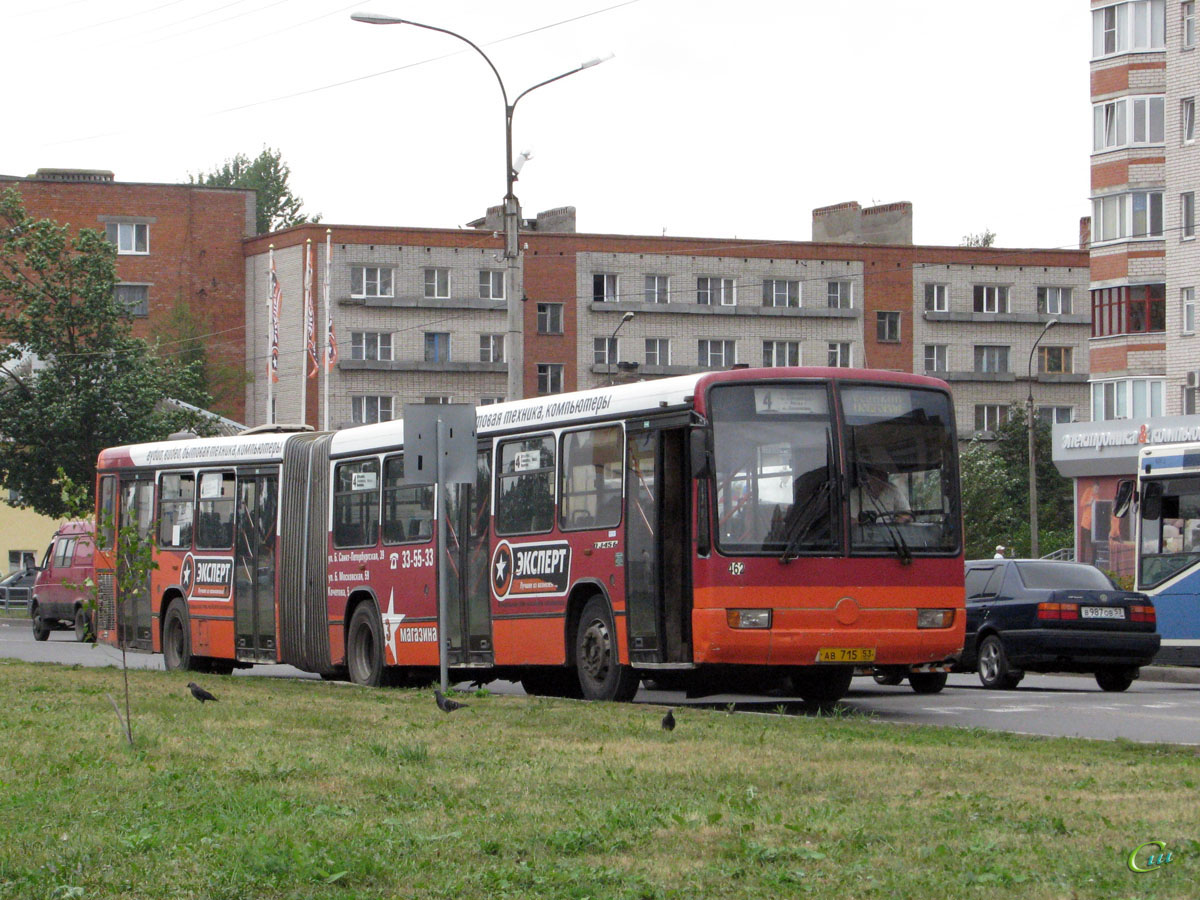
(199, 693)
(668, 721)
(445, 704)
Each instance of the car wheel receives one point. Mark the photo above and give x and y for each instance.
(927, 682)
(41, 629)
(993, 665)
(83, 626)
(1116, 679)
(597, 658)
(889, 675)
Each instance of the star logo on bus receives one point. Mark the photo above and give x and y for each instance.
(502, 569)
(391, 625)
(187, 574)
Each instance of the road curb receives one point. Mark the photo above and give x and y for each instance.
(1172, 674)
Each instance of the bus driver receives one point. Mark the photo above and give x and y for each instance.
(875, 495)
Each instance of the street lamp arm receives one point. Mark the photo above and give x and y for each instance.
(586, 65)
(1033, 350)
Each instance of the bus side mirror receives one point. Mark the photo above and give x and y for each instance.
(701, 455)
(1123, 500)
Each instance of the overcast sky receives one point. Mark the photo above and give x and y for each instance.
(713, 119)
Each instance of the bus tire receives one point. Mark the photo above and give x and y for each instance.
(889, 675)
(927, 682)
(177, 639)
(551, 681)
(597, 657)
(83, 626)
(364, 647)
(41, 628)
(822, 685)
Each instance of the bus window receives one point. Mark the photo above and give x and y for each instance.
(175, 496)
(525, 496)
(407, 510)
(1170, 528)
(214, 515)
(592, 472)
(356, 504)
(108, 497)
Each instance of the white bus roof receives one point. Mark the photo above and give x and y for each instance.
(1170, 459)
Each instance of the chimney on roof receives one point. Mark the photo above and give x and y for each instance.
(560, 220)
(849, 223)
(1085, 232)
(85, 176)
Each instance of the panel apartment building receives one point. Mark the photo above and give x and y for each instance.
(420, 313)
(1145, 266)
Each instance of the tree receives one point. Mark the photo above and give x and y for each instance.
(187, 338)
(267, 174)
(995, 485)
(985, 238)
(73, 380)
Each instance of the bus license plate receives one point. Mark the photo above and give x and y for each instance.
(846, 655)
(1101, 612)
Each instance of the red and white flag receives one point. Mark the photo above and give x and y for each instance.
(276, 310)
(310, 314)
(331, 350)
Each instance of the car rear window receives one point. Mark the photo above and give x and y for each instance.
(1057, 575)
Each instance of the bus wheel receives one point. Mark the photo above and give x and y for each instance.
(601, 675)
(41, 629)
(889, 675)
(927, 682)
(83, 626)
(551, 681)
(822, 685)
(176, 642)
(364, 647)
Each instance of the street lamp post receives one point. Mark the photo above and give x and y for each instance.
(609, 349)
(514, 349)
(1029, 422)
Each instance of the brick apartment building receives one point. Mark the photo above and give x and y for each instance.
(419, 313)
(1145, 266)
(176, 243)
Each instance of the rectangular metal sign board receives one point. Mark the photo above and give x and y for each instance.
(421, 446)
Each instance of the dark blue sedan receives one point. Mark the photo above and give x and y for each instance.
(1035, 615)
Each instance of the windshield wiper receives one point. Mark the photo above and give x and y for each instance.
(806, 517)
(884, 518)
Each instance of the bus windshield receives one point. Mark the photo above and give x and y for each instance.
(776, 466)
(1170, 528)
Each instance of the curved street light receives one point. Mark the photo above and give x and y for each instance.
(515, 343)
(1029, 423)
(609, 349)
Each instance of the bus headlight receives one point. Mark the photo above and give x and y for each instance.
(935, 618)
(748, 618)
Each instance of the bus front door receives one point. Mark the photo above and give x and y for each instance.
(657, 586)
(468, 562)
(254, 566)
(135, 611)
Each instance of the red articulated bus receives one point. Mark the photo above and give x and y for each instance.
(703, 530)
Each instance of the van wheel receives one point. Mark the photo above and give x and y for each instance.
(597, 657)
(177, 640)
(83, 626)
(41, 629)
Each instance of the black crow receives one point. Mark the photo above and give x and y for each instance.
(446, 705)
(668, 721)
(199, 693)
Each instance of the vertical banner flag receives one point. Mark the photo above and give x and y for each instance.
(276, 302)
(310, 314)
(331, 348)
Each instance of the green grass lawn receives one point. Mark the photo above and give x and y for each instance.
(307, 789)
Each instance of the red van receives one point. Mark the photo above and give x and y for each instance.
(62, 591)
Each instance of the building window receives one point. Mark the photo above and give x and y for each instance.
(658, 289)
(491, 284)
(437, 346)
(1191, 401)
(1187, 319)
(1147, 213)
(366, 409)
(371, 345)
(604, 351)
(437, 399)
(1187, 11)
(716, 354)
(937, 297)
(1135, 214)
(991, 358)
(936, 357)
(840, 294)
(887, 327)
(990, 416)
(716, 291)
(1187, 119)
(1187, 214)
(134, 298)
(839, 355)
(550, 318)
(658, 351)
(781, 353)
(130, 237)
(1054, 360)
(1128, 121)
(491, 348)
(1054, 301)
(1133, 25)
(1125, 398)
(781, 292)
(1056, 415)
(489, 401)
(991, 298)
(437, 284)
(1133, 309)
(370, 281)
(604, 288)
(550, 378)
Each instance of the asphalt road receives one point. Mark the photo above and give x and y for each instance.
(1055, 705)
